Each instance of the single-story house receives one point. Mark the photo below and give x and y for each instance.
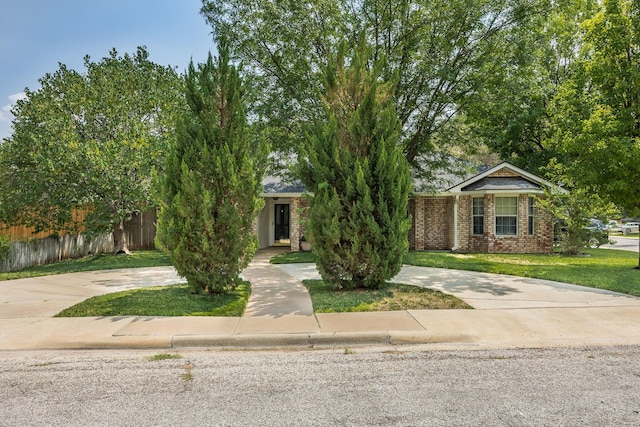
(494, 211)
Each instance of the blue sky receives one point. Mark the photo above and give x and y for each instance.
(35, 35)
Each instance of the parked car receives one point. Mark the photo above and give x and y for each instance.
(593, 235)
(597, 225)
(614, 227)
(631, 227)
(599, 233)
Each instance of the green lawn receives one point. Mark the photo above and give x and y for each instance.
(392, 296)
(175, 300)
(597, 268)
(92, 263)
(293, 258)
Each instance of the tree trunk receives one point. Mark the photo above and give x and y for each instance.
(119, 239)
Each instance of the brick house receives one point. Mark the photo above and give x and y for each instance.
(493, 212)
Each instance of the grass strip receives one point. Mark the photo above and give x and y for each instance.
(597, 268)
(135, 259)
(391, 296)
(173, 300)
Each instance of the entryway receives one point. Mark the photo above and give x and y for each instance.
(281, 223)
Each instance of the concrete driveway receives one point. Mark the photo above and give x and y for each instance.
(511, 312)
(48, 295)
(485, 291)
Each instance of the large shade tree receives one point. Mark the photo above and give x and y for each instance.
(596, 113)
(89, 140)
(442, 52)
(513, 118)
(209, 195)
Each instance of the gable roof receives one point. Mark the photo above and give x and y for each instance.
(278, 185)
(491, 183)
(502, 177)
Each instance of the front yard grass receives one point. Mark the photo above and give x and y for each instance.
(174, 300)
(597, 268)
(93, 262)
(391, 296)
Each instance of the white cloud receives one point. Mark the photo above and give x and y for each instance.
(17, 96)
(5, 111)
(6, 117)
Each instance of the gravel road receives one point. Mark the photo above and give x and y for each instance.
(539, 387)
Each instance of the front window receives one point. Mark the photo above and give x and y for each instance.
(506, 216)
(478, 216)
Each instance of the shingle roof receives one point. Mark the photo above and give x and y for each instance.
(443, 182)
(278, 185)
(502, 183)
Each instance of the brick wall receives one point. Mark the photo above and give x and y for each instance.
(432, 226)
(437, 214)
(411, 208)
(540, 242)
(294, 224)
(504, 172)
(299, 209)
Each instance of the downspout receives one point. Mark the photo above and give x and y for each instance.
(455, 224)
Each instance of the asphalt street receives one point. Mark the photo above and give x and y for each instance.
(623, 243)
(534, 387)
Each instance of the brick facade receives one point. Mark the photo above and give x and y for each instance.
(299, 209)
(438, 210)
(504, 173)
(437, 231)
(445, 222)
(294, 224)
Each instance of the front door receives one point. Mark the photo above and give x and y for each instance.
(282, 223)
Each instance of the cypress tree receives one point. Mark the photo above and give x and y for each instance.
(209, 196)
(360, 180)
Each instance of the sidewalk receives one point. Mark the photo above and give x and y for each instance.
(510, 312)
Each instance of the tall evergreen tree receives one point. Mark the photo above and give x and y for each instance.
(210, 193)
(359, 178)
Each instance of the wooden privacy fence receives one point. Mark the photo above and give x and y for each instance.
(42, 249)
(22, 232)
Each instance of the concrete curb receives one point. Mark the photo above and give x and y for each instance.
(312, 340)
(281, 340)
(406, 337)
(304, 340)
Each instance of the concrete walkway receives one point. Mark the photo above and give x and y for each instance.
(510, 312)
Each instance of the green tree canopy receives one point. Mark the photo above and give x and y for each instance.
(596, 113)
(513, 118)
(89, 140)
(442, 53)
(209, 196)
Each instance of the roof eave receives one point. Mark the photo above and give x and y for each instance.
(284, 195)
(528, 175)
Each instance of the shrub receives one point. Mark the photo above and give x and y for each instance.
(359, 178)
(210, 194)
(5, 246)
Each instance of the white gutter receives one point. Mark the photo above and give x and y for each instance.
(455, 224)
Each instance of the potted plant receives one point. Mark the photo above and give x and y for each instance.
(304, 244)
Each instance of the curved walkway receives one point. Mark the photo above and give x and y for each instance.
(510, 312)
